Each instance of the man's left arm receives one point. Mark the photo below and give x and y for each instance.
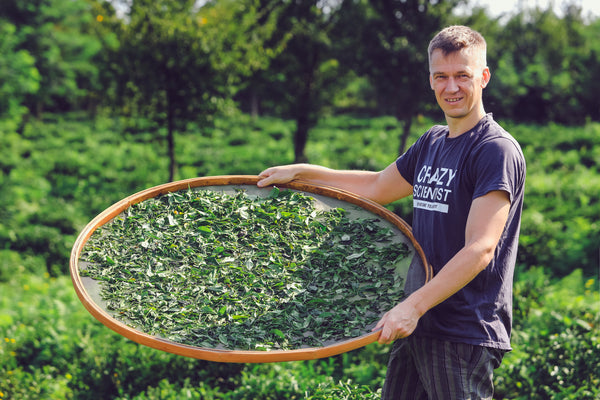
(485, 223)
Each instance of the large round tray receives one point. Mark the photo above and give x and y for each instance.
(88, 290)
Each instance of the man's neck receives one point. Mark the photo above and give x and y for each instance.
(458, 126)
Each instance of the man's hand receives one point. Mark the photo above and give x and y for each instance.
(397, 323)
(275, 175)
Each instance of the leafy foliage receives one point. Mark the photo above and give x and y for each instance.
(57, 172)
(560, 227)
(556, 341)
(171, 60)
(554, 58)
(18, 77)
(49, 194)
(390, 50)
(218, 270)
(56, 34)
(62, 171)
(50, 347)
(196, 58)
(300, 80)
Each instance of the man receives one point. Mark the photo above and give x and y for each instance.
(467, 181)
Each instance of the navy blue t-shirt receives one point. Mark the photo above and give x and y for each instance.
(447, 174)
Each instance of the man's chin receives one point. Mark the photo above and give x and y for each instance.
(455, 114)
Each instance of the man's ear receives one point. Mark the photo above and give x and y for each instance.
(487, 75)
(431, 81)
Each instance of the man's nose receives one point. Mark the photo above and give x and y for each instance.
(452, 85)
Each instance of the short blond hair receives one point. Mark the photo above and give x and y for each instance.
(456, 38)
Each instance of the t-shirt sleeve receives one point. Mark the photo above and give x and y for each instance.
(407, 162)
(499, 165)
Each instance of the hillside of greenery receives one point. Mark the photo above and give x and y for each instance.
(177, 62)
(173, 76)
(62, 170)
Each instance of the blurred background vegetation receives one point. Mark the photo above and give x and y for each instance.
(176, 61)
(101, 99)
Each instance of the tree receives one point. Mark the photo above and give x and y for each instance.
(54, 33)
(588, 60)
(18, 77)
(182, 63)
(301, 80)
(391, 50)
(549, 73)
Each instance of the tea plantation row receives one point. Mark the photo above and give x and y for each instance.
(60, 172)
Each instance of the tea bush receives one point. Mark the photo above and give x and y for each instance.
(556, 339)
(51, 347)
(60, 172)
(560, 228)
(49, 338)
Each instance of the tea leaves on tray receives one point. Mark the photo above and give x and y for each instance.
(216, 270)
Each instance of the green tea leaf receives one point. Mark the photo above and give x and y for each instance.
(216, 270)
(278, 333)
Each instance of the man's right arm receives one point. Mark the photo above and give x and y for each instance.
(382, 187)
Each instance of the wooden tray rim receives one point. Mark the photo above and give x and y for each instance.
(219, 355)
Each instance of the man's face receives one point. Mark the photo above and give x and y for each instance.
(458, 80)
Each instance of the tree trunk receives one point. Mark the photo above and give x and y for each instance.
(171, 139)
(300, 138)
(303, 116)
(254, 105)
(406, 125)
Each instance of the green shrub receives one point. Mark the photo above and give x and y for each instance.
(556, 341)
(342, 391)
(59, 173)
(48, 338)
(560, 228)
(51, 347)
(62, 171)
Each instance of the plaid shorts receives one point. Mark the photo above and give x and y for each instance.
(430, 369)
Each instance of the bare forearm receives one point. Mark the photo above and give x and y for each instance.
(350, 180)
(485, 224)
(484, 227)
(401, 320)
(457, 273)
(382, 187)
